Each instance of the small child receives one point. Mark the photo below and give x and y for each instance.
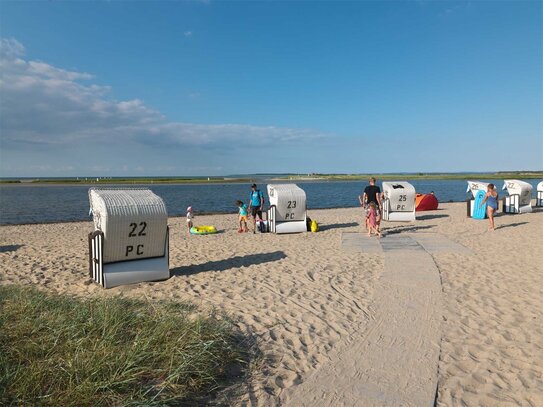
(190, 216)
(371, 219)
(243, 213)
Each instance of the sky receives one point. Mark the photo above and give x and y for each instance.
(216, 87)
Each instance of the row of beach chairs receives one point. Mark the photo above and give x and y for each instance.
(130, 241)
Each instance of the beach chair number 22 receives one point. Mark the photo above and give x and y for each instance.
(290, 205)
(134, 233)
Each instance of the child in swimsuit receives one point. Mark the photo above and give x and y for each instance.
(491, 199)
(243, 213)
(371, 219)
(190, 216)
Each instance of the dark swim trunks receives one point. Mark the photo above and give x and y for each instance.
(256, 210)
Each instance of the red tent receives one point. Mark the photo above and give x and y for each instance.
(426, 202)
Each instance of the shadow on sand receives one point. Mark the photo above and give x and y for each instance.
(226, 264)
(337, 226)
(427, 217)
(10, 248)
(405, 229)
(511, 225)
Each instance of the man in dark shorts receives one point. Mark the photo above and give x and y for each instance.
(372, 193)
(256, 203)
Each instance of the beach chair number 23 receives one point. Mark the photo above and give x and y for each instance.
(290, 205)
(134, 232)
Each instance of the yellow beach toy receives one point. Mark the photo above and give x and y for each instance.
(203, 230)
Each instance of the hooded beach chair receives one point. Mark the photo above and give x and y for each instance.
(474, 187)
(288, 211)
(399, 201)
(130, 242)
(520, 196)
(539, 197)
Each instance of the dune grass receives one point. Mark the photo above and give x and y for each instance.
(61, 351)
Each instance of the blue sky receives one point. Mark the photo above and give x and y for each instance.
(211, 88)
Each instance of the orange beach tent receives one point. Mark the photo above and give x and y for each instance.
(426, 202)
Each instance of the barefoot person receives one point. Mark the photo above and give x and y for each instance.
(371, 220)
(372, 193)
(256, 203)
(491, 199)
(190, 216)
(243, 212)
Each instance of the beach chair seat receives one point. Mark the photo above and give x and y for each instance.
(288, 210)
(519, 199)
(539, 196)
(130, 241)
(399, 202)
(474, 187)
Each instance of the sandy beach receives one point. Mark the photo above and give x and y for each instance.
(308, 299)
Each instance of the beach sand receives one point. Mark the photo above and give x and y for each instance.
(304, 297)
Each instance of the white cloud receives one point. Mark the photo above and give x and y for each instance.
(187, 34)
(11, 48)
(43, 105)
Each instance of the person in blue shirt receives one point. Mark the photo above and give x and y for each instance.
(242, 216)
(256, 203)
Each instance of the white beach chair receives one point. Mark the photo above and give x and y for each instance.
(130, 242)
(539, 196)
(474, 187)
(520, 197)
(399, 201)
(288, 211)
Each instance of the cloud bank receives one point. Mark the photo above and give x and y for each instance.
(45, 108)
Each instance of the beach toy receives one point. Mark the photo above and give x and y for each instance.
(287, 213)
(399, 201)
(426, 202)
(130, 242)
(314, 226)
(203, 230)
(539, 197)
(520, 197)
(479, 211)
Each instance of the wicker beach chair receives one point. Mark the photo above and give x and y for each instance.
(399, 201)
(130, 242)
(288, 211)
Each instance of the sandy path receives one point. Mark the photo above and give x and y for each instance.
(394, 360)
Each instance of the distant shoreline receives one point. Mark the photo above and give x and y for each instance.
(285, 178)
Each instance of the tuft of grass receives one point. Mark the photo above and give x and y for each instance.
(61, 351)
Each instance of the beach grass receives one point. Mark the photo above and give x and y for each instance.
(62, 351)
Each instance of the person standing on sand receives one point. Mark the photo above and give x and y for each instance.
(190, 216)
(491, 199)
(256, 203)
(372, 193)
(371, 219)
(243, 212)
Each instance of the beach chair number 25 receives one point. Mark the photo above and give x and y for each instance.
(291, 204)
(134, 226)
(403, 198)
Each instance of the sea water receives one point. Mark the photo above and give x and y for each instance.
(24, 203)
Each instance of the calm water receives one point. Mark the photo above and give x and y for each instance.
(50, 203)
